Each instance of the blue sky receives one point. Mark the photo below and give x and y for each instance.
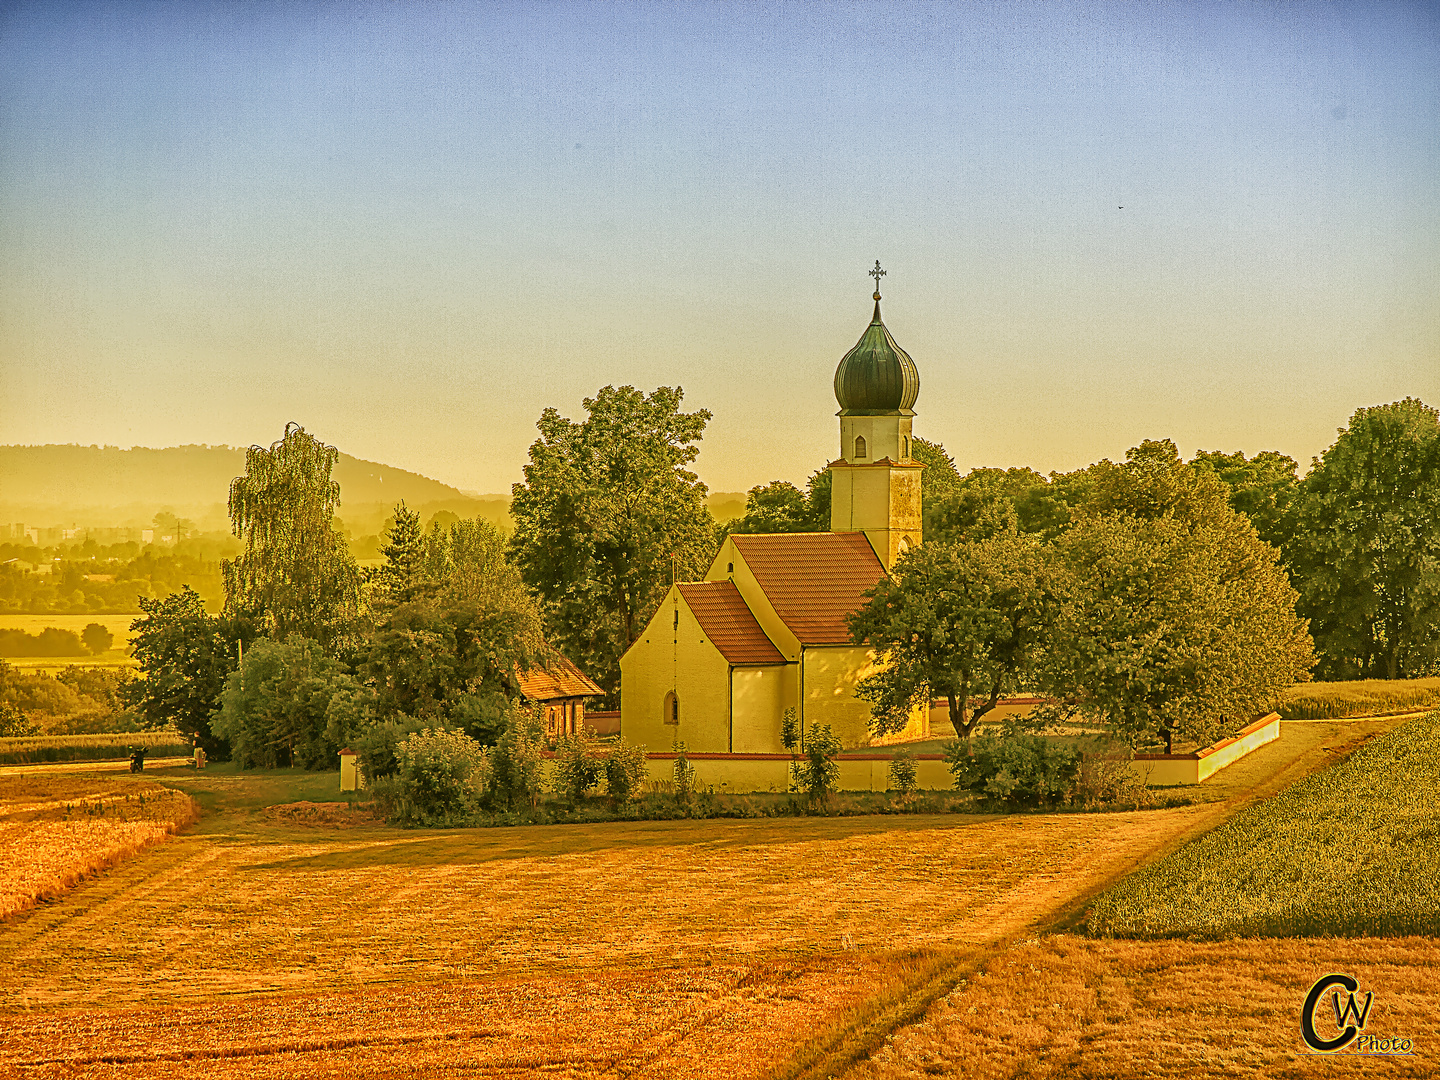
(413, 226)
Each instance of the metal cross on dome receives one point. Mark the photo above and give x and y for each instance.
(877, 274)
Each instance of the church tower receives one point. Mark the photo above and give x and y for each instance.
(875, 483)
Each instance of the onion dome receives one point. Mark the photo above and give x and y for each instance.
(877, 377)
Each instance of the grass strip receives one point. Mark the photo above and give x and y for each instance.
(42, 749)
(1350, 851)
(1362, 697)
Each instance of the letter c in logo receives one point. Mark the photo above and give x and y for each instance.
(1307, 1015)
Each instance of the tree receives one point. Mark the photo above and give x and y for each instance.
(781, 507)
(458, 623)
(404, 553)
(296, 574)
(185, 655)
(988, 502)
(940, 476)
(96, 638)
(1261, 488)
(1365, 551)
(959, 621)
(274, 709)
(1181, 621)
(608, 511)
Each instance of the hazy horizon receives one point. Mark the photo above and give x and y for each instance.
(412, 227)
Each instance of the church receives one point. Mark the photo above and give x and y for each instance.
(723, 659)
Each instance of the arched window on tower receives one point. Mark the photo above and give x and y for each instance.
(859, 446)
(905, 443)
(670, 711)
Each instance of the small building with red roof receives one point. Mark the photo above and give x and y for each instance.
(560, 691)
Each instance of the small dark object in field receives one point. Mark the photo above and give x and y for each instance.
(137, 758)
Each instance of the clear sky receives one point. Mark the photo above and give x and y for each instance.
(412, 226)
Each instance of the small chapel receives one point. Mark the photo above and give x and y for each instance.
(722, 659)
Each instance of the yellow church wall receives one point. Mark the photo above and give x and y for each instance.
(666, 658)
(759, 697)
(830, 676)
(755, 598)
(885, 436)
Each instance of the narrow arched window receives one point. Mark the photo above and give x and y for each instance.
(859, 446)
(905, 442)
(671, 708)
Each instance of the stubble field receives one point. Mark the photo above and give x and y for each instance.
(252, 947)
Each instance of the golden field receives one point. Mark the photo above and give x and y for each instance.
(1065, 1006)
(56, 830)
(262, 942)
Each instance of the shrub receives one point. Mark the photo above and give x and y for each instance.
(817, 770)
(379, 745)
(442, 777)
(518, 769)
(577, 769)
(684, 775)
(902, 772)
(1016, 768)
(625, 772)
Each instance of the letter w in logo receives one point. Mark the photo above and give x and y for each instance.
(1351, 1010)
(1347, 1030)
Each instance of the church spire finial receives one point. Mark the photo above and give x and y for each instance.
(877, 274)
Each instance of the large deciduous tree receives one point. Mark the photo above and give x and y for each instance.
(185, 655)
(296, 574)
(607, 510)
(963, 621)
(457, 623)
(1365, 549)
(1182, 622)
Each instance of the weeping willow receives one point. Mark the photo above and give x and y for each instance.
(295, 575)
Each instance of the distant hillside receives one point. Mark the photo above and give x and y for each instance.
(105, 484)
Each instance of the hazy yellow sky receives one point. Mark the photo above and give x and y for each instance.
(412, 227)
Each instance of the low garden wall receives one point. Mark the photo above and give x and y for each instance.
(1167, 770)
(771, 772)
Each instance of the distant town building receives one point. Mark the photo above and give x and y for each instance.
(561, 693)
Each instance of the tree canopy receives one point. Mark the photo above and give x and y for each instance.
(296, 574)
(960, 621)
(1181, 622)
(1365, 545)
(608, 512)
(185, 654)
(781, 507)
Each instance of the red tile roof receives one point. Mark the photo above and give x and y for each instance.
(813, 580)
(728, 622)
(562, 681)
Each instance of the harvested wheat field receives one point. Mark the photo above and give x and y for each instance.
(1073, 1007)
(56, 830)
(265, 941)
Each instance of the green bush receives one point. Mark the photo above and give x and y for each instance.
(902, 772)
(518, 769)
(577, 769)
(378, 747)
(684, 775)
(625, 772)
(1016, 768)
(441, 779)
(817, 771)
